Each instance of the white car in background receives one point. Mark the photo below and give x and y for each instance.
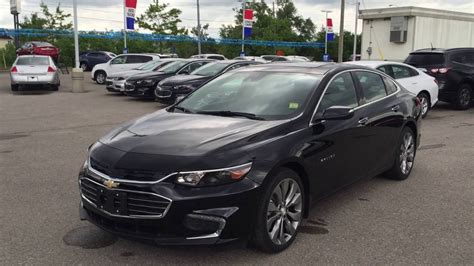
(120, 63)
(412, 79)
(34, 71)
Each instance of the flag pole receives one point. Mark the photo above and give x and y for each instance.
(124, 27)
(243, 27)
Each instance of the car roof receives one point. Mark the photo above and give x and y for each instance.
(441, 50)
(374, 64)
(318, 68)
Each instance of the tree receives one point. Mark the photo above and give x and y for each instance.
(160, 21)
(33, 22)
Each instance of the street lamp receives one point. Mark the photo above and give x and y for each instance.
(77, 73)
(326, 37)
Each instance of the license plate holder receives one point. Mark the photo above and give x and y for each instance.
(111, 201)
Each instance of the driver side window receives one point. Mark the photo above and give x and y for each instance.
(340, 92)
(118, 60)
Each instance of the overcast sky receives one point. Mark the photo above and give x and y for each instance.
(108, 14)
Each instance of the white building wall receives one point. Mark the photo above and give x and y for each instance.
(443, 33)
(382, 48)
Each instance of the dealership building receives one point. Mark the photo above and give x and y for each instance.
(392, 33)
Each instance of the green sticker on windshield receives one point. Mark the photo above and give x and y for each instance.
(294, 105)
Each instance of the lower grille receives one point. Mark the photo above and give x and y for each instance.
(163, 93)
(124, 203)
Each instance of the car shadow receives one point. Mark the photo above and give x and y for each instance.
(33, 92)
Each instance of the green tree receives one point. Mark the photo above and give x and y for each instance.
(159, 20)
(33, 22)
(56, 20)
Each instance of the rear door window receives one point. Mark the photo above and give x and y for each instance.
(119, 60)
(372, 85)
(138, 59)
(390, 86)
(400, 72)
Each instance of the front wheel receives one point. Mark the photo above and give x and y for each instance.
(463, 97)
(280, 212)
(100, 77)
(404, 156)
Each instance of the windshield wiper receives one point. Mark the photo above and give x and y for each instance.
(184, 110)
(232, 113)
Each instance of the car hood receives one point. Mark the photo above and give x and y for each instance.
(163, 143)
(183, 80)
(149, 75)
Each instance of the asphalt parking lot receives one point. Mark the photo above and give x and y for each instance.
(427, 219)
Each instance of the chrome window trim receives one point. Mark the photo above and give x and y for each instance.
(360, 106)
(126, 190)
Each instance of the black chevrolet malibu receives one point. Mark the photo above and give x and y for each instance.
(172, 88)
(143, 85)
(246, 154)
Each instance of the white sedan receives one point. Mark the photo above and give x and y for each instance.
(34, 71)
(412, 79)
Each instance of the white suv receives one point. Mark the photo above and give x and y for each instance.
(120, 63)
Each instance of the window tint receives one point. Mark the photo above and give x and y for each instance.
(400, 72)
(33, 61)
(340, 92)
(425, 59)
(216, 57)
(119, 60)
(384, 69)
(462, 58)
(95, 54)
(390, 85)
(137, 59)
(191, 67)
(372, 85)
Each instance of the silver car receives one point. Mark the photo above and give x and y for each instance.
(34, 70)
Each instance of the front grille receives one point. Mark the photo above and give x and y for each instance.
(162, 92)
(126, 203)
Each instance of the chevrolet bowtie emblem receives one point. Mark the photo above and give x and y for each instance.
(111, 184)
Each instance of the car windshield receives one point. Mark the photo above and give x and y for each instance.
(253, 94)
(150, 65)
(33, 61)
(42, 44)
(210, 69)
(173, 67)
(425, 59)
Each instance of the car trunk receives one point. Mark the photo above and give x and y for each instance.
(46, 50)
(32, 69)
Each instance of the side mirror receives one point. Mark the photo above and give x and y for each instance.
(337, 113)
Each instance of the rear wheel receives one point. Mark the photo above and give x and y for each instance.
(100, 77)
(14, 87)
(84, 67)
(404, 157)
(280, 212)
(463, 97)
(425, 103)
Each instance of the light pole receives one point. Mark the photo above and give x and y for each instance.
(354, 57)
(326, 35)
(341, 34)
(199, 27)
(243, 27)
(77, 73)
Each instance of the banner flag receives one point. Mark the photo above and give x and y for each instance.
(330, 32)
(248, 22)
(130, 6)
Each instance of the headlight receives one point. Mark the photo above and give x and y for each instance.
(213, 177)
(146, 81)
(184, 87)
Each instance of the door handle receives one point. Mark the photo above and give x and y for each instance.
(363, 121)
(395, 108)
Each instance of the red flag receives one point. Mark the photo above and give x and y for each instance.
(248, 14)
(329, 22)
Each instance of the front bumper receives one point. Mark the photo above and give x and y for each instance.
(139, 91)
(194, 216)
(113, 85)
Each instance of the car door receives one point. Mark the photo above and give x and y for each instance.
(381, 117)
(117, 64)
(336, 151)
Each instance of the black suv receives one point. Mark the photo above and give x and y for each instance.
(453, 70)
(91, 58)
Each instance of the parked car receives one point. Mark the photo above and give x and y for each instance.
(39, 48)
(351, 57)
(269, 58)
(251, 58)
(209, 56)
(116, 82)
(120, 63)
(89, 59)
(246, 154)
(454, 71)
(171, 89)
(412, 79)
(34, 71)
(290, 58)
(143, 85)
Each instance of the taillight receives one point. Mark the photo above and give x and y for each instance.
(434, 70)
(51, 70)
(14, 70)
(443, 70)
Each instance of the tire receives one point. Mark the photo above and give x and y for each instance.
(425, 103)
(100, 77)
(464, 97)
(404, 156)
(84, 67)
(14, 87)
(270, 211)
(54, 87)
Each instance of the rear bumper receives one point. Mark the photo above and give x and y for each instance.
(33, 79)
